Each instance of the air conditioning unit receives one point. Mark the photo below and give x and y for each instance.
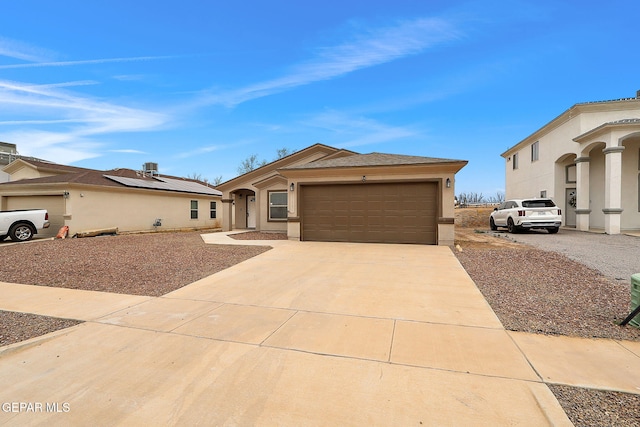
(150, 168)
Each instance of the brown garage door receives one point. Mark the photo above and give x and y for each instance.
(384, 213)
(53, 204)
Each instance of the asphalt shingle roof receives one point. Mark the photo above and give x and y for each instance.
(96, 177)
(373, 159)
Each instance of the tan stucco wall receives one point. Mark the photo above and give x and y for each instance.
(263, 208)
(89, 209)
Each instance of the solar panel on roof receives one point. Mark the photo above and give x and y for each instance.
(168, 184)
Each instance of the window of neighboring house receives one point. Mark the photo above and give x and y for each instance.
(278, 205)
(571, 174)
(194, 209)
(543, 194)
(212, 210)
(514, 162)
(535, 151)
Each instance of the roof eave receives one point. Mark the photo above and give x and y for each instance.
(570, 113)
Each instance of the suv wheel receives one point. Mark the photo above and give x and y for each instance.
(492, 224)
(553, 230)
(511, 226)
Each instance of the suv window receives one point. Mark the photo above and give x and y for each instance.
(538, 204)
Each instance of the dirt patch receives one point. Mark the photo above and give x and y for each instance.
(477, 217)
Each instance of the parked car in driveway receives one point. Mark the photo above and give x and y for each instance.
(521, 214)
(21, 225)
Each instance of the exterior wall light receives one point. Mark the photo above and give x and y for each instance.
(292, 187)
(448, 183)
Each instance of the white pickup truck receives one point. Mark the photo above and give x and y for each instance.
(21, 225)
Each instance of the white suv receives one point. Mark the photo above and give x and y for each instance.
(518, 214)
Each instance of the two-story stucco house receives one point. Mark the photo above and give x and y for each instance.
(588, 160)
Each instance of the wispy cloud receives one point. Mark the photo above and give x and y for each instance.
(214, 147)
(24, 51)
(128, 151)
(83, 62)
(349, 131)
(366, 48)
(65, 126)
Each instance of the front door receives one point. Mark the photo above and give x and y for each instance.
(570, 208)
(251, 211)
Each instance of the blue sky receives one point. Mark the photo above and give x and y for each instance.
(198, 86)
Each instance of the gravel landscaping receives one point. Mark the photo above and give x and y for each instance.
(595, 408)
(16, 327)
(545, 292)
(615, 256)
(258, 235)
(135, 264)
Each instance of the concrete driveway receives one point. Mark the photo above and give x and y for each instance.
(304, 334)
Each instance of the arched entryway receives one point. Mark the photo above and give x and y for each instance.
(244, 210)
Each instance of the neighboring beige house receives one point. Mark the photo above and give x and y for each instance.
(87, 199)
(588, 160)
(324, 193)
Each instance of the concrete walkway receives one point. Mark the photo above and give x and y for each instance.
(304, 334)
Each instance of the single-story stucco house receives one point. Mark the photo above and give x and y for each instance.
(322, 193)
(588, 160)
(129, 200)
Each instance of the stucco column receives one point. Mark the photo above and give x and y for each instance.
(227, 220)
(446, 226)
(612, 189)
(583, 208)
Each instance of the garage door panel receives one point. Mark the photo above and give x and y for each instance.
(390, 212)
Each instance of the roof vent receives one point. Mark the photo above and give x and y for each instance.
(150, 168)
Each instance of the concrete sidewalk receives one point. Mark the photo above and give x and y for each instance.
(305, 334)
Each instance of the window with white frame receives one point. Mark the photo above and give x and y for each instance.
(535, 151)
(212, 210)
(514, 161)
(194, 209)
(278, 205)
